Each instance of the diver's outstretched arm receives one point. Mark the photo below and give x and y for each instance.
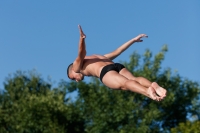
(124, 46)
(77, 64)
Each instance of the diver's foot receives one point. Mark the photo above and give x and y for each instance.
(159, 90)
(152, 94)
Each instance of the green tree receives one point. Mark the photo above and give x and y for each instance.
(187, 127)
(107, 110)
(29, 105)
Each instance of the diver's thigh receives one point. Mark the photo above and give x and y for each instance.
(124, 72)
(114, 80)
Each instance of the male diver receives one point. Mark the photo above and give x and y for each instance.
(113, 75)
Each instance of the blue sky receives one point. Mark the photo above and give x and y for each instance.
(43, 35)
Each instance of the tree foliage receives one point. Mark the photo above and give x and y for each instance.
(30, 104)
(187, 127)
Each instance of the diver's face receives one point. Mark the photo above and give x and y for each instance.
(77, 76)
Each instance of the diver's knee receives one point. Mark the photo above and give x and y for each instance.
(124, 86)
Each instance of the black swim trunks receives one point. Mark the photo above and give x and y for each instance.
(111, 67)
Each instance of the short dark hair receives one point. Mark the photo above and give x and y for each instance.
(68, 69)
